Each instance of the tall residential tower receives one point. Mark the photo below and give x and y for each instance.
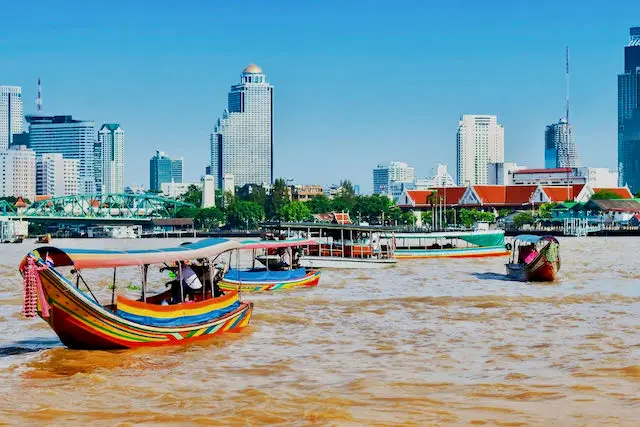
(629, 115)
(164, 169)
(10, 114)
(242, 140)
(560, 147)
(480, 141)
(385, 175)
(111, 140)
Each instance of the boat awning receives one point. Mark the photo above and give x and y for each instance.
(98, 258)
(272, 244)
(530, 238)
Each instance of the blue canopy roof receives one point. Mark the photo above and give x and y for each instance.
(531, 238)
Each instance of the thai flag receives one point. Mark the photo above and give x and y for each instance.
(48, 261)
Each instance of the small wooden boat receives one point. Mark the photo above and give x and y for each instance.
(82, 322)
(45, 238)
(275, 276)
(534, 258)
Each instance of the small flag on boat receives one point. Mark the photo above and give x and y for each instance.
(48, 261)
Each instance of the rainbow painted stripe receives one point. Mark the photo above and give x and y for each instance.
(310, 279)
(472, 252)
(80, 322)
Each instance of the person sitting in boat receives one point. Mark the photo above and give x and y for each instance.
(527, 254)
(285, 257)
(187, 282)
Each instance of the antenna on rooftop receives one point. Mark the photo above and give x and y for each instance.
(567, 80)
(39, 98)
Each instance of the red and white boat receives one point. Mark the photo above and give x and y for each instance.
(534, 258)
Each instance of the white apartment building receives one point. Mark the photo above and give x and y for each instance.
(18, 173)
(174, 190)
(394, 172)
(242, 140)
(595, 177)
(56, 176)
(480, 141)
(501, 173)
(111, 140)
(10, 114)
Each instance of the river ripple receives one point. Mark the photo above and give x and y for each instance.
(427, 342)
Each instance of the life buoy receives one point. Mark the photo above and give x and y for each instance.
(508, 246)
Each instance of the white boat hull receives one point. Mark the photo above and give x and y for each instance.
(340, 262)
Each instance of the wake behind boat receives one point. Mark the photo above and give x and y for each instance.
(534, 258)
(82, 322)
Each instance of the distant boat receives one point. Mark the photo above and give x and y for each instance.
(276, 275)
(534, 258)
(45, 238)
(336, 245)
(449, 244)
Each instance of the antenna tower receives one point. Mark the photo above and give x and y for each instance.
(567, 81)
(39, 98)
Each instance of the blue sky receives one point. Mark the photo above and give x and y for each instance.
(356, 83)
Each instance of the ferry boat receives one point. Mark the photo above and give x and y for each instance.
(56, 290)
(534, 258)
(449, 244)
(337, 245)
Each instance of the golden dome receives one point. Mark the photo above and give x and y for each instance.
(252, 69)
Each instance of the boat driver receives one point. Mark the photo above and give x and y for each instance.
(188, 280)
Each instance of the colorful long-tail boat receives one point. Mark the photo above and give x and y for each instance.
(276, 275)
(82, 322)
(534, 258)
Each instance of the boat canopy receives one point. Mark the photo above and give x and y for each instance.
(99, 258)
(531, 238)
(272, 244)
(478, 238)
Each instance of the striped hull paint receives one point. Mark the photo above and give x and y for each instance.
(310, 279)
(81, 323)
(473, 252)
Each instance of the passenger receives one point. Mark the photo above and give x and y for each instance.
(189, 282)
(285, 257)
(527, 254)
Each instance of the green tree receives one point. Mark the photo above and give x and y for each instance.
(209, 218)
(345, 200)
(605, 195)
(295, 211)
(187, 212)
(258, 195)
(504, 212)
(544, 211)
(408, 218)
(426, 217)
(193, 195)
(469, 217)
(522, 218)
(320, 204)
(277, 199)
(242, 214)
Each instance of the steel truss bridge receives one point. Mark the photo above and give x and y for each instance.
(109, 208)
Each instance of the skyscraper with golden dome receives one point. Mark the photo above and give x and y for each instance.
(242, 140)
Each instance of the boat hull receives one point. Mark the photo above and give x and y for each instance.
(474, 252)
(81, 323)
(341, 262)
(310, 279)
(544, 268)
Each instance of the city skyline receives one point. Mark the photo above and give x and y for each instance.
(337, 94)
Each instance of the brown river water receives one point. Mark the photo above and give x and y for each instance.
(428, 342)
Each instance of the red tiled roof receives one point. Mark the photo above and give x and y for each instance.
(419, 197)
(342, 218)
(450, 195)
(559, 194)
(551, 170)
(511, 195)
(623, 192)
(20, 203)
(42, 197)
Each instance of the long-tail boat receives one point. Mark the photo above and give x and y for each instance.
(534, 258)
(276, 275)
(450, 244)
(82, 322)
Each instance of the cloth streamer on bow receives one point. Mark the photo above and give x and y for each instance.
(33, 289)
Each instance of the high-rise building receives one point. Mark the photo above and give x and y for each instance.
(385, 175)
(629, 115)
(18, 172)
(242, 140)
(56, 176)
(163, 169)
(560, 147)
(501, 173)
(10, 114)
(74, 139)
(480, 141)
(208, 192)
(111, 140)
